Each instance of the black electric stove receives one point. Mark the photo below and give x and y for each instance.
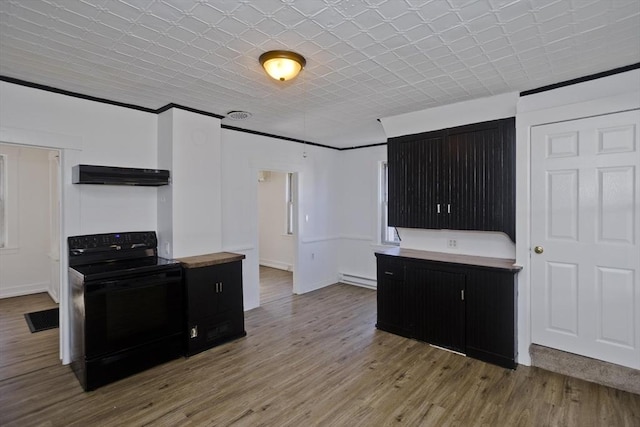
(128, 306)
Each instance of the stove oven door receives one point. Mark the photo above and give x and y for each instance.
(126, 313)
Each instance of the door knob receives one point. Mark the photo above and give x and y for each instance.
(538, 249)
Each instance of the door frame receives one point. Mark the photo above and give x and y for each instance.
(573, 102)
(297, 197)
(296, 235)
(69, 147)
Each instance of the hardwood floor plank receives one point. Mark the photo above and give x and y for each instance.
(312, 360)
(275, 284)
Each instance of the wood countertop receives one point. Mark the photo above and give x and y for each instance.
(497, 263)
(210, 259)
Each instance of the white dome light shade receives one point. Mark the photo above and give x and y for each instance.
(282, 65)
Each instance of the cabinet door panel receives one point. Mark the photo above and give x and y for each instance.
(393, 299)
(397, 194)
(481, 181)
(415, 186)
(491, 316)
(230, 295)
(440, 314)
(202, 295)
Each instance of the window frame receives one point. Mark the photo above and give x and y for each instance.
(3, 201)
(385, 230)
(289, 203)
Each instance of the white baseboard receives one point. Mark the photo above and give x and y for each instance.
(276, 264)
(356, 280)
(18, 291)
(53, 296)
(318, 285)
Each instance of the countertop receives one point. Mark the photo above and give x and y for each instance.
(207, 260)
(498, 263)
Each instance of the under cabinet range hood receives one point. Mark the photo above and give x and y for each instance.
(110, 175)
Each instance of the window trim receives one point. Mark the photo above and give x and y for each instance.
(11, 154)
(385, 229)
(289, 203)
(3, 201)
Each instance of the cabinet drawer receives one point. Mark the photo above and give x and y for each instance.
(390, 269)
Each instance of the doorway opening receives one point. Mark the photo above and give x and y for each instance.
(277, 229)
(30, 231)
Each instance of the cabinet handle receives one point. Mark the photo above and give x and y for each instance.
(221, 283)
(438, 207)
(217, 287)
(449, 208)
(462, 294)
(388, 273)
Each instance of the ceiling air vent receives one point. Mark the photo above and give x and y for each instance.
(238, 115)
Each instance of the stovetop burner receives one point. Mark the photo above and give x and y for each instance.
(101, 256)
(125, 267)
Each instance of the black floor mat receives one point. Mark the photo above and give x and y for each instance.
(43, 320)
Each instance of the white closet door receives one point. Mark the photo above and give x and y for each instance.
(585, 194)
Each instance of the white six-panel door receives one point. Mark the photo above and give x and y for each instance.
(585, 197)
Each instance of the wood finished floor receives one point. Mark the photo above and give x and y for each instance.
(274, 284)
(308, 360)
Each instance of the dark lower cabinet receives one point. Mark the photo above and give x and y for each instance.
(466, 308)
(215, 312)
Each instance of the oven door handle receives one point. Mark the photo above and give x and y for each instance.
(130, 284)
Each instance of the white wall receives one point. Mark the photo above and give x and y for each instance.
(101, 134)
(24, 263)
(359, 213)
(276, 246)
(316, 228)
(189, 210)
(91, 133)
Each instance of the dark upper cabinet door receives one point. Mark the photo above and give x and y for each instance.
(415, 186)
(440, 310)
(481, 181)
(397, 177)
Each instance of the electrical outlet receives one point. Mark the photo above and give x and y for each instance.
(452, 243)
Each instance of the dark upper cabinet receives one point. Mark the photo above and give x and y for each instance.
(460, 178)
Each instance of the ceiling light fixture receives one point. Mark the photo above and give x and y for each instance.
(282, 65)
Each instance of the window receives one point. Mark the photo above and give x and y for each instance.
(3, 184)
(289, 201)
(389, 235)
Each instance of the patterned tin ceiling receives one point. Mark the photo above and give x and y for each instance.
(366, 59)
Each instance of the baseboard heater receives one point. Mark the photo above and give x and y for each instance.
(111, 175)
(352, 279)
